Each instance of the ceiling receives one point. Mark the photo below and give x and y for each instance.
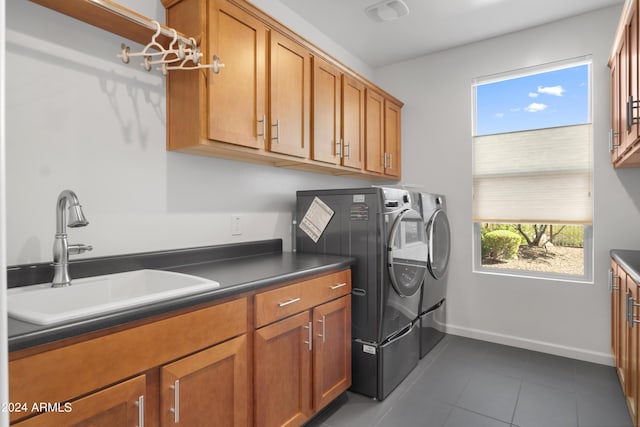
(431, 25)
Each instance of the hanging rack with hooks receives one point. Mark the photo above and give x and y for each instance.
(186, 52)
(168, 49)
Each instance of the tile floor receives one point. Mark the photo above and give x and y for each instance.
(469, 383)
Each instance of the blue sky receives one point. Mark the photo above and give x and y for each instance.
(549, 99)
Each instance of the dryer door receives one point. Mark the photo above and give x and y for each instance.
(407, 253)
(439, 238)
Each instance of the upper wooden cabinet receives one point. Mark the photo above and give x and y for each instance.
(392, 138)
(382, 135)
(353, 112)
(327, 112)
(624, 138)
(290, 67)
(278, 100)
(237, 109)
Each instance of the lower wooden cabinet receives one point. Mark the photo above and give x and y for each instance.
(200, 367)
(118, 405)
(302, 362)
(332, 351)
(209, 385)
(282, 360)
(203, 352)
(625, 335)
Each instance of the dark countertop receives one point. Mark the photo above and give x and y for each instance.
(236, 275)
(629, 260)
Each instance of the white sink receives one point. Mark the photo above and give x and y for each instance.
(92, 296)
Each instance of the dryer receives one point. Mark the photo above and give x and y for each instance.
(383, 231)
(434, 291)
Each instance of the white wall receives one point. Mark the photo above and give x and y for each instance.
(559, 317)
(78, 118)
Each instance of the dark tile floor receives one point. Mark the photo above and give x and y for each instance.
(470, 383)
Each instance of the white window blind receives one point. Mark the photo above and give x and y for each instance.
(536, 176)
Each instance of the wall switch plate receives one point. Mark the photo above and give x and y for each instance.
(236, 226)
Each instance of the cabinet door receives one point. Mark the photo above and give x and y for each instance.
(623, 72)
(628, 63)
(392, 138)
(353, 109)
(632, 329)
(209, 385)
(236, 95)
(374, 132)
(290, 65)
(332, 350)
(282, 372)
(621, 365)
(118, 405)
(614, 285)
(615, 110)
(326, 144)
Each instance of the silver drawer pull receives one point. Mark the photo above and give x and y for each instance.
(291, 301)
(176, 401)
(140, 405)
(333, 288)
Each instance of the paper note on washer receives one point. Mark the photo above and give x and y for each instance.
(316, 219)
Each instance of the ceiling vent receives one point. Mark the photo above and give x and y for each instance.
(387, 10)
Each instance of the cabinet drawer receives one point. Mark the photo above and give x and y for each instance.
(287, 300)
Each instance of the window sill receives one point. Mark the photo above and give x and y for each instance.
(567, 278)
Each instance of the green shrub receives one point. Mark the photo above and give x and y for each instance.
(500, 244)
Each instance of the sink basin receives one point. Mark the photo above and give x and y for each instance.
(92, 296)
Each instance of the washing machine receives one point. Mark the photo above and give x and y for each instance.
(432, 319)
(383, 231)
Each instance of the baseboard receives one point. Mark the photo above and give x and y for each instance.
(542, 346)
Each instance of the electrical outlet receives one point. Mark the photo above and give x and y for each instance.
(236, 225)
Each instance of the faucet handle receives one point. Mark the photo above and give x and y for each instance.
(78, 249)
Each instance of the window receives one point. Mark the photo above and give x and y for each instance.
(532, 172)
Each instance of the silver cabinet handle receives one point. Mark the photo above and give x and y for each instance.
(339, 149)
(291, 301)
(338, 286)
(631, 107)
(612, 135)
(140, 405)
(390, 161)
(347, 146)
(277, 126)
(324, 329)
(628, 112)
(309, 341)
(631, 302)
(264, 124)
(384, 161)
(176, 401)
(612, 277)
